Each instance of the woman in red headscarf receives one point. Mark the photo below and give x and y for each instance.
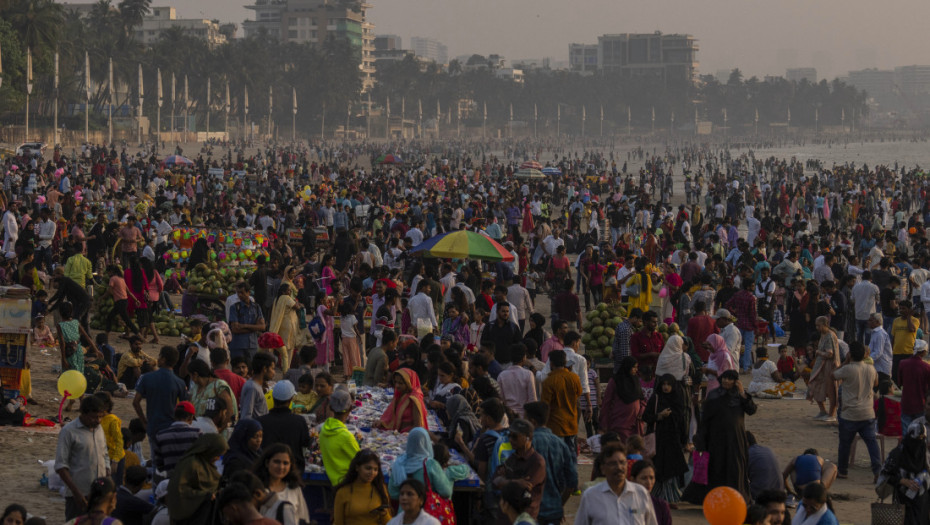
(407, 410)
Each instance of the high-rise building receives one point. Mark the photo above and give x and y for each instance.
(388, 43)
(582, 57)
(161, 19)
(314, 22)
(431, 49)
(797, 74)
(879, 85)
(672, 57)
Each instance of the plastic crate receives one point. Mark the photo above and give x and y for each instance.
(11, 378)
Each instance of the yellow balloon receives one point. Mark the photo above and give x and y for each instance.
(72, 384)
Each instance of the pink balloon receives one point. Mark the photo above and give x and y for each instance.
(663, 293)
(41, 199)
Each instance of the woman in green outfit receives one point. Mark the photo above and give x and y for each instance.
(75, 356)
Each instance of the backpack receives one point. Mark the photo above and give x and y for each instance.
(502, 450)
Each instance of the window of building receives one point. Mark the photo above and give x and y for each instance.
(292, 34)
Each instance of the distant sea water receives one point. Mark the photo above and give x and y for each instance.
(904, 153)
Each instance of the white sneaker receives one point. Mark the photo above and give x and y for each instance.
(831, 419)
(821, 417)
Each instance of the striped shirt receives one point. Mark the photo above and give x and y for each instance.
(172, 442)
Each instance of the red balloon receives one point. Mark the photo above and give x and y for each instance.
(724, 506)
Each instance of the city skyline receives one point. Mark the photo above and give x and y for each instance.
(833, 36)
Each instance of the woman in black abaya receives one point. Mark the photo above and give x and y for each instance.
(668, 415)
(722, 434)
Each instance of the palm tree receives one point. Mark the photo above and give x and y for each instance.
(131, 13)
(37, 22)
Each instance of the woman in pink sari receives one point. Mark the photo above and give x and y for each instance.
(719, 361)
(407, 410)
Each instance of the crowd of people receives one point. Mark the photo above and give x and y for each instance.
(828, 265)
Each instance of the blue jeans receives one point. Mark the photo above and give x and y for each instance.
(862, 331)
(745, 360)
(867, 431)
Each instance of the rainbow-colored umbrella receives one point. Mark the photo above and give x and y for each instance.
(463, 244)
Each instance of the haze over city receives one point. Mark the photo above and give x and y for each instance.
(761, 38)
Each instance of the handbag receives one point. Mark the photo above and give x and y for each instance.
(887, 513)
(701, 462)
(650, 438)
(436, 505)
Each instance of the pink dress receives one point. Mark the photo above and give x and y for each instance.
(326, 279)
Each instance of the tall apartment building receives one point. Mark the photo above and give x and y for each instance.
(388, 43)
(161, 19)
(582, 57)
(797, 74)
(315, 21)
(431, 49)
(672, 57)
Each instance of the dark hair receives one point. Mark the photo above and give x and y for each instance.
(538, 319)
(66, 309)
(234, 493)
(136, 475)
(92, 404)
(771, 496)
(361, 458)
(751, 439)
(292, 479)
(635, 313)
(640, 466)
(388, 336)
(136, 427)
(557, 359)
(762, 351)
(754, 514)
(261, 361)
(307, 354)
(517, 496)
(816, 492)
(856, 351)
(247, 480)
(417, 487)
(571, 337)
(99, 489)
(485, 388)
(106, 398)
(196, 366)
(305, 379)
(517, 352)
(170, 355)
(610, 450)
(325, 376)
(441, 454)
(493, 408)
(218, 356)
(10, 509)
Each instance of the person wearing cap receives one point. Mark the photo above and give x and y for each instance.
(730, 333)
(914, 380)
(215, 418)
(280, 425)
(337, 445)
(173, 442)
(525, 465)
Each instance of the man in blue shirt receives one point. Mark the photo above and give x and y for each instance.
(245, 322)
(561, 471)
(161, 390)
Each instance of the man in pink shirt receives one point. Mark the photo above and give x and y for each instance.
(120, 293)
(518, 385)
(559, 329)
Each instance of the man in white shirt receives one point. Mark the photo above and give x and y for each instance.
(46, 233)
(865, 295)
(616, 500)
(10, 231)
(447, 281)
(519, 297)
(415, 234)
(552, 242)
(421, 306)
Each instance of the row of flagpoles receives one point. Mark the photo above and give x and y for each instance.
(245, 108)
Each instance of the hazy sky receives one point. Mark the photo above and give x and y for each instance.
(760, 37)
